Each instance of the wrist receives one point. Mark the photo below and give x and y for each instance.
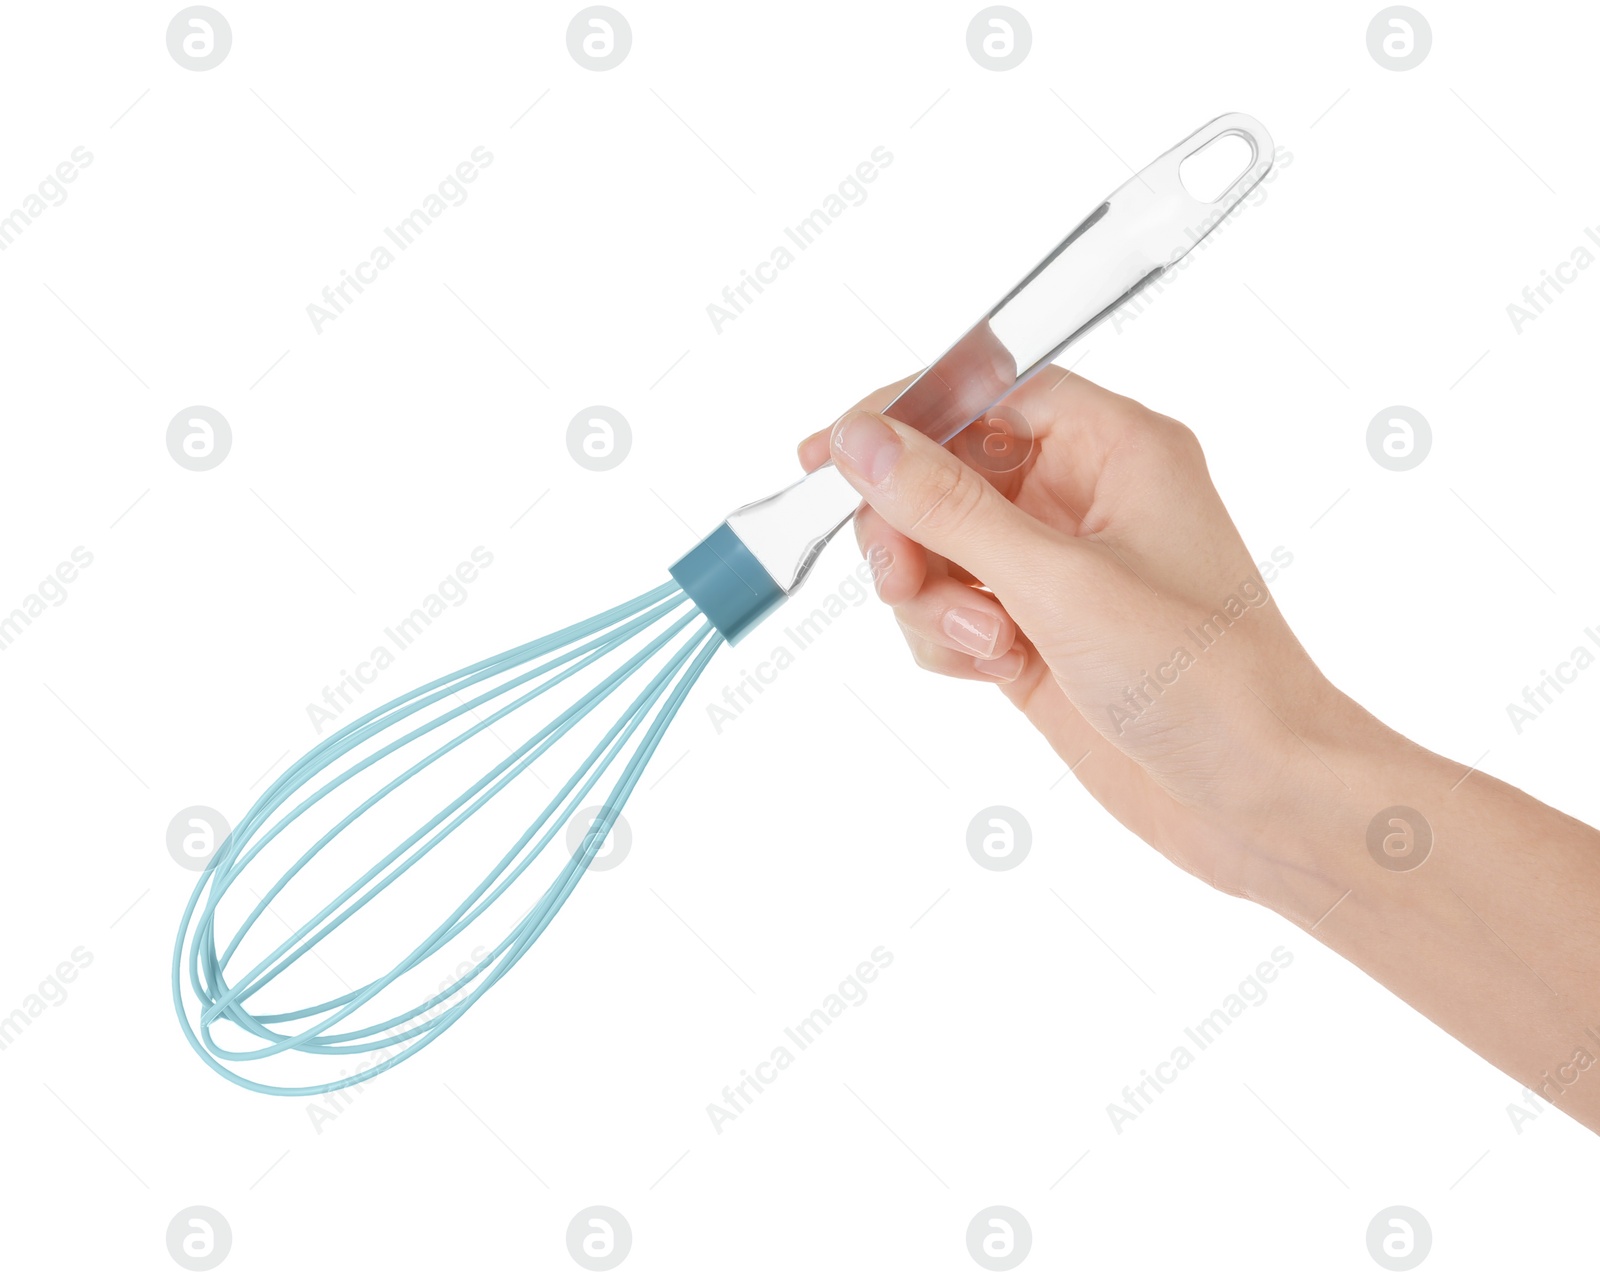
(1350, 800)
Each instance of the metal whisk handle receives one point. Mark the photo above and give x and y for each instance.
(764, 551)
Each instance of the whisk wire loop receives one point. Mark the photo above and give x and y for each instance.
(632, 635)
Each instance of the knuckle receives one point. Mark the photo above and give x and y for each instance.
(1177, 439)
(1164, 445)
(917, 647)
(950, 498)
(922, 653)
(880, 561)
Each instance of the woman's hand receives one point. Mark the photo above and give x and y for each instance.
(1071, 548)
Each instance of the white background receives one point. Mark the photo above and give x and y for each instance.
(830, 818)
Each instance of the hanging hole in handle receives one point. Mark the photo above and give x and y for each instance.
(1209, 172)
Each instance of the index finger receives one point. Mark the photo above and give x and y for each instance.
(945, 397)
(813, 450)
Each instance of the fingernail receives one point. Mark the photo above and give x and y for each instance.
(1006, 667)
(973, 629)
(869, 446)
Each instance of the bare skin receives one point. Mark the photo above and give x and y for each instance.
(1096, 577)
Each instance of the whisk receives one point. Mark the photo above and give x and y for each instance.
(377, 778)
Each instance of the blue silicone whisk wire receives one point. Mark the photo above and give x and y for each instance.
(662, 621)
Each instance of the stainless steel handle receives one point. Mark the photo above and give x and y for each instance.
(1138, 233)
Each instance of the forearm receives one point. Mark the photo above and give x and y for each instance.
(1494, 936)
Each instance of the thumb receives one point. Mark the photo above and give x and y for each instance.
(929, 494)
